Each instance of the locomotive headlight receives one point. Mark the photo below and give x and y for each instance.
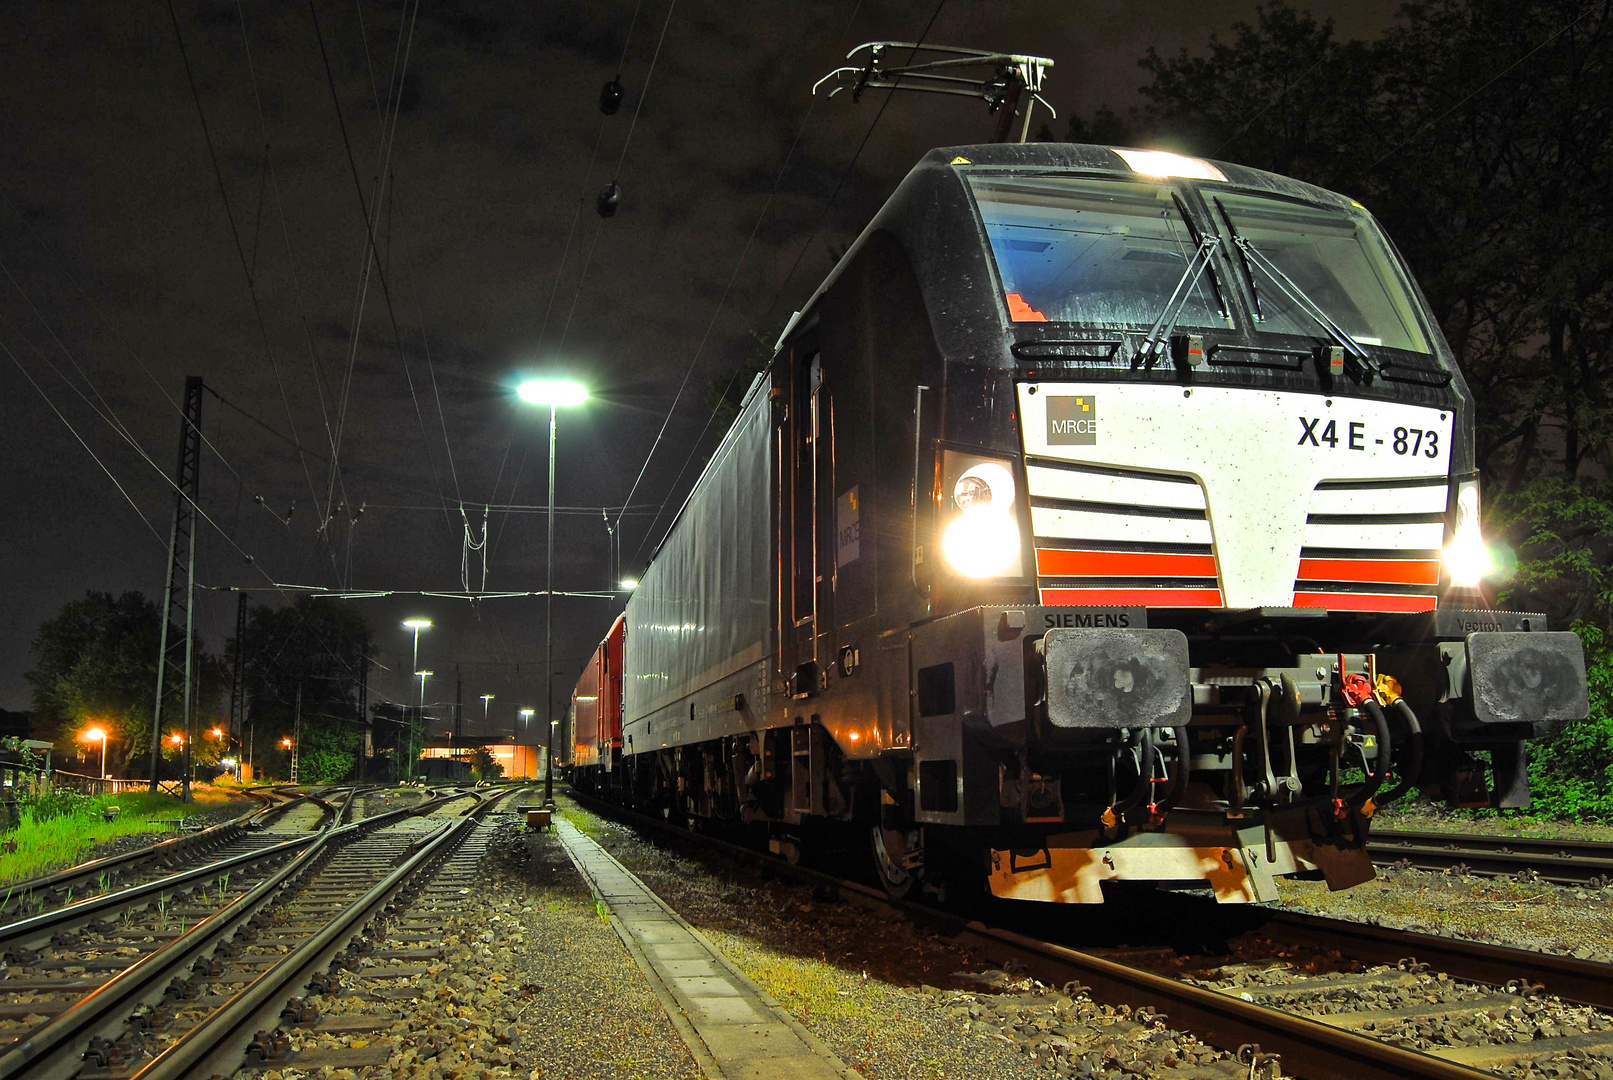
(982, 539)
(986, 485)
(1467, 558)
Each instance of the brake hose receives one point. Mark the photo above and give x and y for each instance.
(1412, 767)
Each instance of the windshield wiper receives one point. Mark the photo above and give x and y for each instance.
(1158, 337)
(1254, 257)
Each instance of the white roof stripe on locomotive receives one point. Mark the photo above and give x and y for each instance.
(1422, 499)
(1127, 490)
(1376, 536)
(1047, 523)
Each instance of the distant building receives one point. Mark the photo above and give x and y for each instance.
(520, 762)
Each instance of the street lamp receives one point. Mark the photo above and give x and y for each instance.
(290, 745)
(553, 393)
(416, 625)
(421, 715)
(526, 717)
(96, 734)
(487, 701)
(628, 584)
(224, 738)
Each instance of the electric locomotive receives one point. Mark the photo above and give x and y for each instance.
(1104, 515)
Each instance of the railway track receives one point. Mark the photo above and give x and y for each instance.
(1564, 862)
(1332, 999)
(154, 860)
(163, 980)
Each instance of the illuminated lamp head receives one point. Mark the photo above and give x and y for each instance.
(1467, 557)
(982, 541)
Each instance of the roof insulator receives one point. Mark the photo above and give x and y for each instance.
(610, 196)
(610, 96)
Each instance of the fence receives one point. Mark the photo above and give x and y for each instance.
(95, 785)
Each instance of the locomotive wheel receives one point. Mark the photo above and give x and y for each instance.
(892, 850)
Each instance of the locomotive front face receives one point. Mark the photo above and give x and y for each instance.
(1243, 498)
(1188, 494)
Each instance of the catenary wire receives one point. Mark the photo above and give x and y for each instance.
(229, 213)
(93, 456)
(846, 175)
(380, 272)
(1553, 36)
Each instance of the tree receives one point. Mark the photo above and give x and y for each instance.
(309, 654)
(483, 765)
(1481, 133)
(96, 663)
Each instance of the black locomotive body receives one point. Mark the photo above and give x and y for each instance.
(1103, 515)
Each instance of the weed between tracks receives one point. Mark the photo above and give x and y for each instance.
(1500, 911)
(60, 841)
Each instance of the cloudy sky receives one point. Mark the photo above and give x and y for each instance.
(122, 272)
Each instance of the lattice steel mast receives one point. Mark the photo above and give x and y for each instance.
(176, 650)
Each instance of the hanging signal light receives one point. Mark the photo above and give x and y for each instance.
(610, 196)
(610, 96)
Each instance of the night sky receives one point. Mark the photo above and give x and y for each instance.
(122, 274)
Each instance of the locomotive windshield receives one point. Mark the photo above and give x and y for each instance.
(1110, 254)
(1097, 252)
(1336, 262)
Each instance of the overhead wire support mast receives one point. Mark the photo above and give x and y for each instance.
(175, 651)
(1010, 76)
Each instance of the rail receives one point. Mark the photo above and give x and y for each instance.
(1564, 862)
(1308, 1047)
(54, 886)
(54, 1051)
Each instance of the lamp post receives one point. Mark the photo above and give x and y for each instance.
(548, 764)
(554, 394)
(421, 715)
(99, 735)
(487, 701)
(526, 717)
(416, 625)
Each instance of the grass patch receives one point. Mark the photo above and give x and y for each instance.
(807, 987)
(39, 846)
(586, 823)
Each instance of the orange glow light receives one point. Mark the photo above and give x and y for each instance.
(95, 734)
(217, 733)
(286, 742)
(177, 739)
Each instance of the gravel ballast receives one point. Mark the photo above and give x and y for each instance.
(895, 1001)
(1563, 919)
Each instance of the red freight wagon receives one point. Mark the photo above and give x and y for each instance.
(596, 704)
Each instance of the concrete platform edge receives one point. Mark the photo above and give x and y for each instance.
(680, 1022)
(703, 1055)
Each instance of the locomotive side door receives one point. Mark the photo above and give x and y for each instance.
(803, 464)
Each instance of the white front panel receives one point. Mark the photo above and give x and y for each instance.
(1088, 525)
(1258, 455)
(1429, 499)
(1123, 490)
(1372, 536)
